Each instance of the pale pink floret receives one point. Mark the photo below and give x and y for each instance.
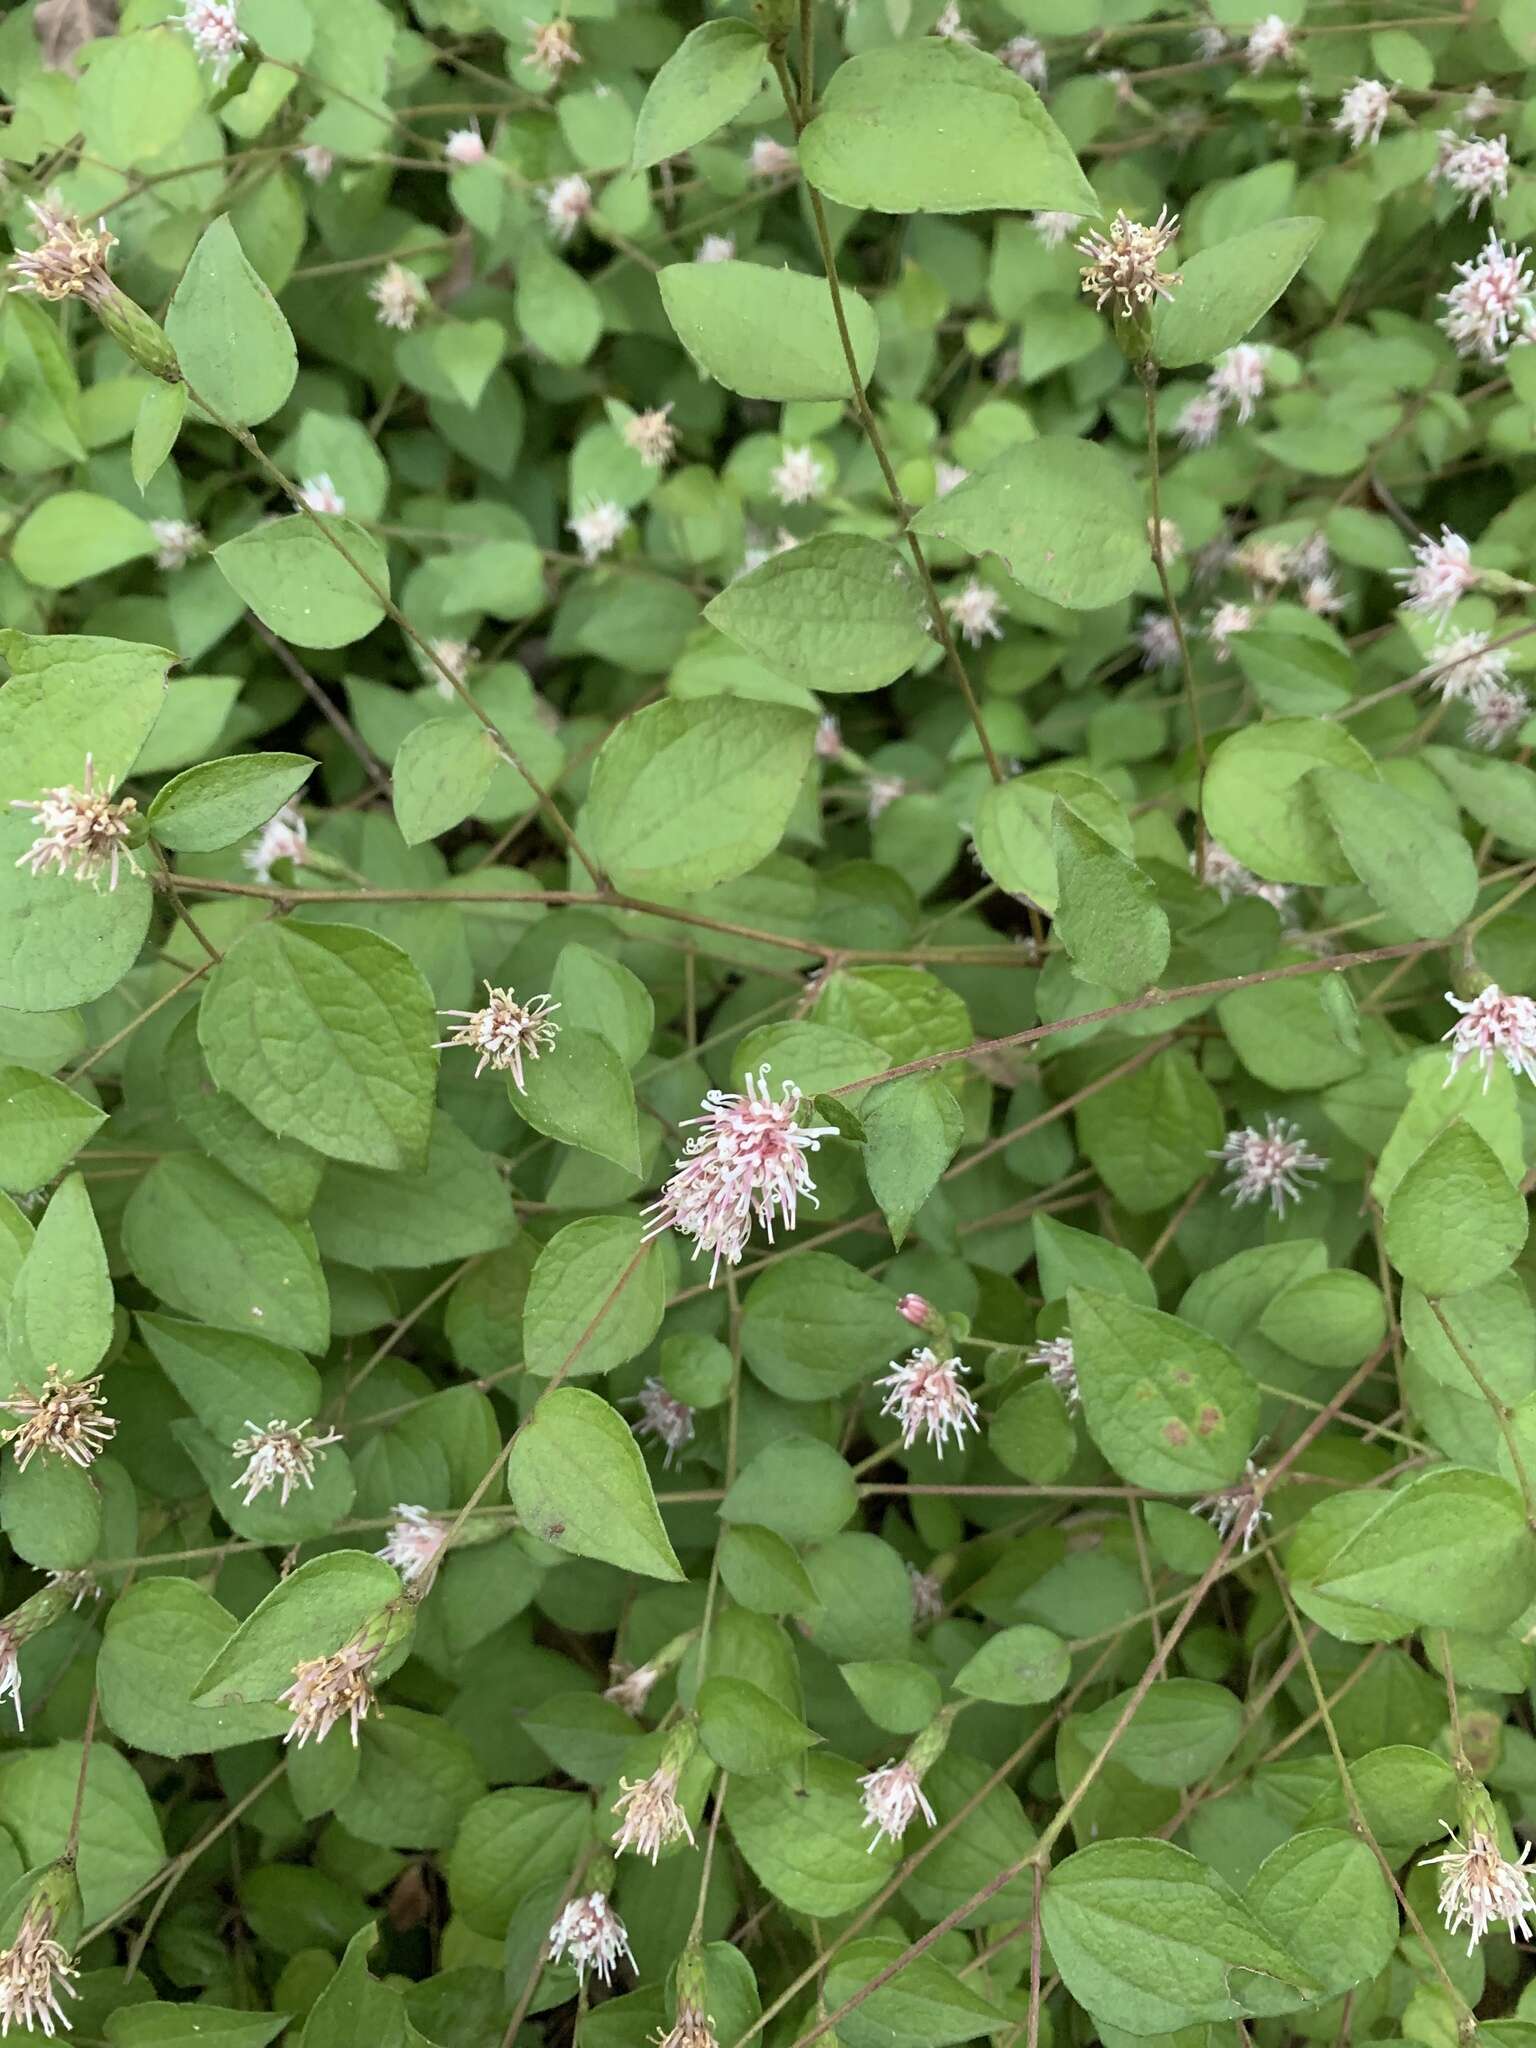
(1466, 664)
(1490, 308)
(715, 249)
(1479, 1886)
(1273, 1162)
(599, 526)
(747, 1159)
(770, 159)
(1498, 712)
(976, 610)
(651, 1815)
(1158, 639)
(82, 834)
(1025, 55)
(1441, 574)
(1239, 377)
(567, 204)
(1200, 420)
(1059, 1357)
(1225, 622)
(215, 32)
(280, 1455)
(1053, 226)
(1363, 110)
(10, 1671)
(176, 542)
(591, 1933)
(1493, 1026)
(664, 1417)
(928, 1398)
(319, 494)
(893, 1796)
(1269, 42)
(328, 1690)
(1476, 166)
(465, 146)
(398, 295)
(798, 477)
(652, 436)
(1238, 1507)
(415, 1543)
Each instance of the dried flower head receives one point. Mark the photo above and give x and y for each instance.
(928, 1398)
(399, 295)
(552, 47)
(504, 1033)
(1475, 166)
(798, 477)
(976, 609)
(591, 1933)
(284, 837)
(327, 1690)
(652, 436)
(216, 34)
(458, 657)
(829, 738)
(1490, 308)
(691, 2029)
(1363, 111)
(651, 1818)
(1269, 42)
(632, 1688)
(465, 146)
(1239, 1507)
(598, 527)
(1498, 712)
(1158, 639)
(1441, 574)
(1238, 377)
(567, 204)
(1266, 563)
(893, 1795)
(1053, 227)
(664, 1417)
(1026, 56)
(67, 1420)
(69, 262)
(10, 1670)
(1493, 1026)
(415, 1543)
(1225, 873)
(1059, 1358)
(280, 1455)
(1272, 1162)
(881, 791)
(1466, 664)
(748, 1159)
(1224, 622)
(1479, 1885)
(1123, 264)
(319, 494)
(176, 542)
(715, 249)
(33, 1971)
(318, 162)
(1199, 422)
(927, 1595)
(769, 159)
(1321, 594)
(78, 1586)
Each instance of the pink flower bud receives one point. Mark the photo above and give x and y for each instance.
(919, 1313)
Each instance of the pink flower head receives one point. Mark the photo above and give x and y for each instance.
(1158, 638)
(82, 834)
(591, 1933)
(465, 146)
(1441, 574)
(1466, 664)
(1498, 711)
(1474, 166)
(215, 32)
(829, 738)
(918, 1312)
(664, 1417)
(1479, 1885)
(1269, 42)
(1053, 227)
(504, 1033)
(1238, 378)
(1025, 55)
(1493, 1026)
(770, 159)
(799, 476)
(927, 1397)
(893, 1796)
(415, 1543)
(976, 608)
(1490, 308)
(1363, 110)
(1200, 421)
(1270, 1162)
(1226, 621)
(747, 1159)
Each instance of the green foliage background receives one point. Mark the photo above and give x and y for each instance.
(988, 922)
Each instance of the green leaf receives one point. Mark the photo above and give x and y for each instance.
(1148, 1939)
(799, 1831)
(51, 1513)
(1107, 913)
(1323, 1894)
(579, 1091)
(69, 696)
(225, 1376)
(200, 2025)
(744, 1731)
(319, 1607)
(1019, 1667)
(1151, 1133)
(301, 586)
(1179, 1733)
(687, 794)
(767, 333)
(159, 1635)
(796, 1486)
(839, 613)
(325, 1031)
(1334, 1320)
(1227, 289)
(1013, 828)
(229, 333)
(595, 1300)
(161, 412)
(121, 1847)
(556, 310)
(61, 1304)
(615, 1003)
(1418, 870)
(1066, 1257)
(1262, 803)
(416, 1779)
(217, 802)
(280, 1170)
(76, 534)
(578, 1481)
(913, 1130)
(707, 81)
(930, 126)
(1167, 1405)
(43, 1124)
(1454, 1220)
(760, 1571)
(920, 2005)
(1063, 516)
(1499, 794)
(814, 1326)
(509, 1844)
(453, 1207)
(441, 773)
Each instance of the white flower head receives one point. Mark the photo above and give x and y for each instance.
(715, 249)
(1026, 56)
(504, 1033)
(317, 161)
(415, 1543)
(1479, 104)
(1466, 664)
(176, 542)
(1273, 1162)
(1059, 1358)
(1224, 623)
(1200, 420)
(285, 837)
(66, 1420)
(318, 494)
(1479, 1886)
(976, 609)
(881, 791)
(1123, 264)
(591, 1933)
(893, 1796)
(81, 833)
(650, 1815)
(328, 1690)
(567, 204)
(1053, 226)
(769, 159)
(951, 26)
(1238, 378)
(1269, 42)
(1158, 639)
(33, 1971)
(458, 657)
(1493, 1026)
(759, 549)
(1239, 1507)
(664, 1417)
(1321, 594)
(552, 47)
(1498, 712)
(1442, 573)
(1210, 42)
(598, 527)
(1166, 537)
(1475, 166)
(465, 146)
(1490, 307)
(747, 1159)
(280, 1455)
(1225, 873)
(1363, 111)
(1266, 563)
(928, 1398)
(799, 477)
(927, 1594)
(652, 436)
(399, 295)
(216, 34)
(948, 476)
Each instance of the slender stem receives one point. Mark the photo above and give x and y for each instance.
(72, 1839)
(1503, 1414)
(1155, 535)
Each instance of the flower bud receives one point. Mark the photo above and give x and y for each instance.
(136, 333)
(921, 1314)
